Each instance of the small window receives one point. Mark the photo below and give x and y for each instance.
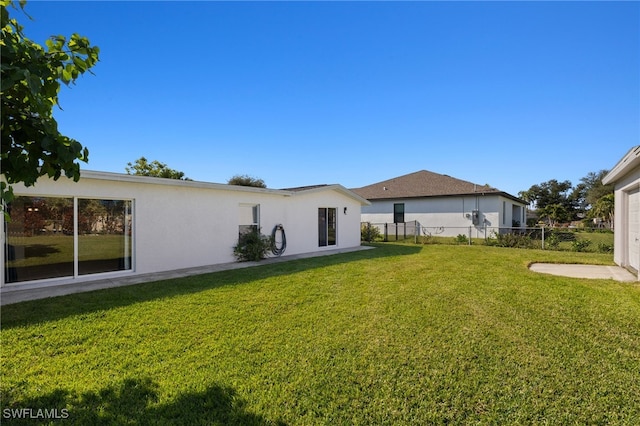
(327, 221)
(398, 213)
(249, 218)
(504, 212)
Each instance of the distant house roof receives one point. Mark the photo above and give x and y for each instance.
(425, 184)
(304, 188)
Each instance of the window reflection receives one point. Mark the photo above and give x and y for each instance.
(39, 239)
(104, 236)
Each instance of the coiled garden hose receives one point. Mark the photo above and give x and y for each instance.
(283, 244)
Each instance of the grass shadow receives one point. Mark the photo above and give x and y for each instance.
(17, 251)
(134, 401)
(40, 250)
(54, 308)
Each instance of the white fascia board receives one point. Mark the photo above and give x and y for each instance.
(338, 188)
(624, 166)
(120, 177)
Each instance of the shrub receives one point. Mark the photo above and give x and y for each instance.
(605, 248)
(426, 239)
(580, 245)
(461, 239)
(510, 240)
(553, 241)
(252, 246)
(369, 233)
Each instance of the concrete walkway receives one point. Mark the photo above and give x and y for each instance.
(584, 271)
(15, 293)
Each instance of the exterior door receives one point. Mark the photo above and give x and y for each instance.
(327, 222)
(633, 243)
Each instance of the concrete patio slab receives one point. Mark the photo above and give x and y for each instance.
(584, 271)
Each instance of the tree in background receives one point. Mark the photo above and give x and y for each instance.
(246, 180)
(142, 167)
(591, 189)
(604, 209)
(552, 200)
(555, 213)
(32, 146)
(559, 202)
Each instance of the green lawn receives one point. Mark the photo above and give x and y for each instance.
(403, 334)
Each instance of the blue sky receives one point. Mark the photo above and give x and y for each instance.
(509, 94)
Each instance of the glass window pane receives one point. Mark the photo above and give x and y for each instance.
(254, 211)
(331, 227)
(104, 235)
(39, 239)
(245, 215)
(327, 227)
(248, 218)
(398, 213)
(322, 227)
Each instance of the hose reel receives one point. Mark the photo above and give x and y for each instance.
(283, 241)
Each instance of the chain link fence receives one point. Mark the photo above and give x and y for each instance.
(544, 238)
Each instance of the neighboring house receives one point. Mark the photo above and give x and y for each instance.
(626, 179)
(442, 205)
(110, 225)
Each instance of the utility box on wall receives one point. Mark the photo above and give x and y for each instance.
(475, 217)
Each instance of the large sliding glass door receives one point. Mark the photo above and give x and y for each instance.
(65, 237)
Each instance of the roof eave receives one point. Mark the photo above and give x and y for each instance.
(624, 166)
(338, 188)
(121, 177)
(467, 194)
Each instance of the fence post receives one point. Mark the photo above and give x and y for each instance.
(543, 237)
(470, 235)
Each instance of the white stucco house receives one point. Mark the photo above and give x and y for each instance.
(442, 205)
(110, 225)
(625, 176)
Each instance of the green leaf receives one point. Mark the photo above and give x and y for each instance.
(66, 76)
(32, 145)
(35, 84)
(80, 64)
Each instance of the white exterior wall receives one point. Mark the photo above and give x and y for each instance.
(301, 223)
(178, 224)
(625, 232)
(626, 179)
(449, 216)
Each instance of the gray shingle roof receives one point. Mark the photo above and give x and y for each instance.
(422, 184)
